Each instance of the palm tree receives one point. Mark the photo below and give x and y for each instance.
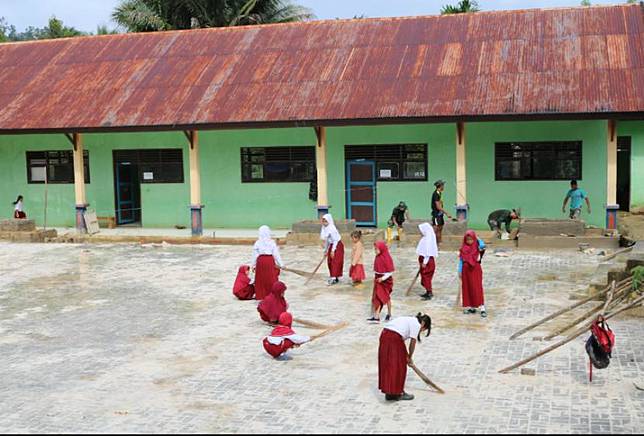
(155, 15)
(462, 7)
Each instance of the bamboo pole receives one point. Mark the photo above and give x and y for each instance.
(570, 338)
(46, 195)
(312, 324)
(296, 271)
(617, 253)
(566, 309)
(315, 270)
(413, 282)
(426, 379)
(329, 331)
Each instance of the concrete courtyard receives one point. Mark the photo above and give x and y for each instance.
(148, 338)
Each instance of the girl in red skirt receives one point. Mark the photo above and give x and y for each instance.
(383, 284)
(283, 338)
(271, 307)
(243, 288)
(18, 212)
(266, 263)
(471, 273)
(427, 251)
(333, 248)
(393, 357)
(357, 254)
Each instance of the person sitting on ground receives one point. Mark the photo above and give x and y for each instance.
(243, 289)
(283, 338)
(502, 217)
(274, 304)
(399, 215)
(576, 196)
(393, 357)
(18, 212)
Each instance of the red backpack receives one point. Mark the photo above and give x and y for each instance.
(600, 345)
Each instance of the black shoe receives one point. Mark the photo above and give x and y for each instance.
(406, 397)
(472, 310)
(389, 397)
(387, 318)
(483, 314)
(427, 296)
(374, 319)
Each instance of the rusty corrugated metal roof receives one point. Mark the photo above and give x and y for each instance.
(587, 60)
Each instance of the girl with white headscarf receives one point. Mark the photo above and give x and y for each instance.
(266, 263)
(333, 247)
(427, 251)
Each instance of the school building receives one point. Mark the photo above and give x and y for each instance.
(238, 127)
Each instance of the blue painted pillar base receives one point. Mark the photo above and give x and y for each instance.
(611, 216)
(461, 211)
(196, 220)
(80, 218)
(322, 210)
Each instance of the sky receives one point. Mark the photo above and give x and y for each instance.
(87, 14)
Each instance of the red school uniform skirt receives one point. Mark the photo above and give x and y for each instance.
(245, 293)
(266, 274)
(336, 265)
(392, 363)
(382, 291)
(472, 283)
(277, 350)
(357, 273)
(427, 273)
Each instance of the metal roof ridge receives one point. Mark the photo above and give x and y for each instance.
(324, 21)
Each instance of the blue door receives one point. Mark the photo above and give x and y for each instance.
(126, 193)
(361, 192)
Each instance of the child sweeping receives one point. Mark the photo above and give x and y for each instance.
(266, 263)
(271, 307)
(357, 259)
(383, 284)
(427, 251)
(283, 338)
(471, 273)
(243, 289)
(393, 357)
(334, 249)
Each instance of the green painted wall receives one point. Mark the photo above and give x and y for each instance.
(635, 129)
(535, 198)
(230, 203)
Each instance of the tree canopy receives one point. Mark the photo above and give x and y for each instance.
(461, 7)
(155, 15)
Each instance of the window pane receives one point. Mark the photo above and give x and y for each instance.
(278, 164)
(37, 174)
(257, 172)
(414, 170)
(388, 171)
(276, 171)
(538, 160)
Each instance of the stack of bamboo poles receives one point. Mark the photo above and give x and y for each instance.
(618, 299)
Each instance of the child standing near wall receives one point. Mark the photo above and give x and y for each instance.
(18, 212)
(383, 284)
(357, 259)
(471, 273)
(333, 247)
(427, 251)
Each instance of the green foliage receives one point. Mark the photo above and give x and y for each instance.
(462, 7)
(155, 15)
(102, 29)
(585, 2)
(638, 277)
(54, 29)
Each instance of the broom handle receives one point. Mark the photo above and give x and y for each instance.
(426, 379)
(413, 282)
(315, 270)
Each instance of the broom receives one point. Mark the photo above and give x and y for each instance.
(299, 272)
(315, 270)
(426, 379)
(329, 331)
(411, 285)
(311, 324)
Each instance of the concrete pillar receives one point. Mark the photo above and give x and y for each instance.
(195, 185)
(79, 183)
(321, 166)
(461, 174)
(611, 176)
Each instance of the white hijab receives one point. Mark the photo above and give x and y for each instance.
(427, 246)
(265, 243)
(330, 229)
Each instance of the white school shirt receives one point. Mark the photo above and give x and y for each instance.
(267, 248)
(18, 206)
(406, 326)
(296, 339)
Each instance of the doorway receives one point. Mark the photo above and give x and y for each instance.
(361, 192)
(624, 173)
(127, 189)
